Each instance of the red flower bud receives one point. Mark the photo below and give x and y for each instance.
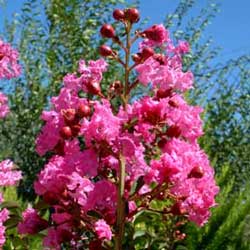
(159, 58)
(173, 104)
(94, 88)
(59, 148)
(1, 56)
(107, 31)
(196, 172)
(173, 131)
(76, 129)
(50, 198)
(162, 143)
(137, 58)
(69, 116)
(177, 232)
(147, 52)
(118, 15)
(163, 93)
(156, 33)
(66, 132)
(97, 244)
(133, 15)
(183, 236)
(105, 50)
(83, 110)
(176, 209)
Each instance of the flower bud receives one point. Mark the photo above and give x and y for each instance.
(159, 58)
(118, 15)
(156, 33)
(69, 116)
(196, 172)
(50, 198)
(173, 131)
(137, 58)
(83, 110)
(132, 15)
(76, 129)
(59, 148)
(183, 236)
(105, 50)
(97, 244)
(1, 56)
(162, 143)
(177, 232)
(147, 52)
(66, 132)
(94, 88)
(116, 87)
(163, 93)
(173, 104)
(176, 209)
(107, 31)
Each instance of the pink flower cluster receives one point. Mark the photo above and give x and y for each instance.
(155, 136)
(8, 177)
(9, 67)
(4, 108)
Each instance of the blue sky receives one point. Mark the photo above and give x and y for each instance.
(230, 29)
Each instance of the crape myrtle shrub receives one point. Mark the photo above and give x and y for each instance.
(112, 158)
(46, 28)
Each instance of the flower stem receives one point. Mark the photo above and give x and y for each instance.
(121, 201)
(120, 206)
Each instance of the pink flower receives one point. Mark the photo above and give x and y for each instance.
(185, 117)
(4, 108)
(49, 136)
(177, 165)
(104, 126)
(103, 230)
(58, 235)
(147, 70)
(91, 73)
(88, 160)
(4, 215)
(164, 75)
(32, 223)
(103, 200)
(9, 67)
(183, 47)
(61, 218)
(53, 178)
(133, 151)
(8, 176)
(156, 35)
(72, 82)
(52, 240)
(80, 187)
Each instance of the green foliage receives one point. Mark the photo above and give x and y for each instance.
(227, 130)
